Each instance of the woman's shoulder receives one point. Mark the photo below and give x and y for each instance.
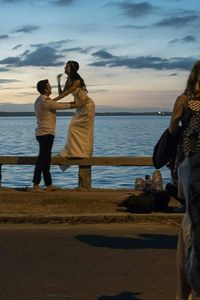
(182, 98)
(181, 101)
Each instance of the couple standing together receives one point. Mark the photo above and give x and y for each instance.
(80, 132)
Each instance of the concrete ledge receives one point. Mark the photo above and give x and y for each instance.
(75, 207)
(164, 219)
(61, 202)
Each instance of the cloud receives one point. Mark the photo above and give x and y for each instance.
(56, 44)
(17, 47)
(104, 58)
(178, 22)
(103, 54)
(134, 27)
(24, 29)
(4, 37)
(8, 1)
(53, 2)
(189, 38)
(186, 39)
(43, 56)
(78, 49)
(10, 61)
(4, 69)
(27, 29)
(135, 9)
(63, 2)
(8, 80)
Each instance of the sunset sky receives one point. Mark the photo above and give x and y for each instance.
(133, 55)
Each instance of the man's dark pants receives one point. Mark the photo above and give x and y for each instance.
(44, 159)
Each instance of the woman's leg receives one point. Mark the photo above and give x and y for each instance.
(183, 288)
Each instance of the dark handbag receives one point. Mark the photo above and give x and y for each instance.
(166, 148)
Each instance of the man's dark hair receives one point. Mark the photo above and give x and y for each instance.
(41, 85)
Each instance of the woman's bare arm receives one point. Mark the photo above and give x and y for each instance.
(68, 91)
(177, 114)
(59, 84)
(75, 85)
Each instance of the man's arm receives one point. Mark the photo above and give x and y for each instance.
(53, 105)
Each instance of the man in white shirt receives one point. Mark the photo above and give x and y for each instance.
(45, 111)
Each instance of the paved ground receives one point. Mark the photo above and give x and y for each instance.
(57, 260)
(88, 262)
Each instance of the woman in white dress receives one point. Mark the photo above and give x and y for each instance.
(80, 132)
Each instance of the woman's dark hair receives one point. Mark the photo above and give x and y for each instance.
(193, 80)
(41, 85)
(74, 75)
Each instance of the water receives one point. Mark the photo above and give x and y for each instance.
(114, 136)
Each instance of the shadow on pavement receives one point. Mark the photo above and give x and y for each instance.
(144, 241)
(122, 296)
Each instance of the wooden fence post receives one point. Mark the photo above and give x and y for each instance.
(84, 177)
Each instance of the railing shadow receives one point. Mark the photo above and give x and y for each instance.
(144, 241)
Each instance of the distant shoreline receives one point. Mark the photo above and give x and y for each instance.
(31, 114)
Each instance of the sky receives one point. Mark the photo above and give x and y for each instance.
(134, 55)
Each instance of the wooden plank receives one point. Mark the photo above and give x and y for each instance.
(92, 161)
(18, 160)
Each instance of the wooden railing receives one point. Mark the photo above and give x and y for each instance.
(85, 164)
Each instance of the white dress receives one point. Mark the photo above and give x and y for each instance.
(81, 129)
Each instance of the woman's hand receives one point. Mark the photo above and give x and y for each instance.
(59, 77)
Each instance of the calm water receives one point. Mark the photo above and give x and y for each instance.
(114, 136)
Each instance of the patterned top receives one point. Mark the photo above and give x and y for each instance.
(191, 135)
(186, 110)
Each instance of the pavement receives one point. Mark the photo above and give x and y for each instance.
(77, 206)
(85, 245)
(88, 261)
